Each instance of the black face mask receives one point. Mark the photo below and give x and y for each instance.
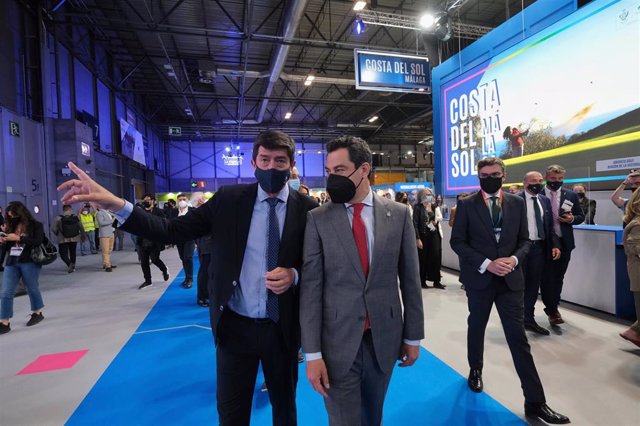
(536, 188)
(146, 204)
(272, 180)
(341, 189)
(581, 195)
(491, 185)
(554, 186)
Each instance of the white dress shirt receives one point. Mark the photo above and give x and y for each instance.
(531, 216)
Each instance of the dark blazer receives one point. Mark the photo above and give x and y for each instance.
(33, 238)
(589, 209)
(551, 239)
(227, 218)
(568, 242)
(150, 243)
(473, 239)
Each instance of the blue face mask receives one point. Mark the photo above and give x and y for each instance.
(294, 184)
(272, 180)
(428, 199)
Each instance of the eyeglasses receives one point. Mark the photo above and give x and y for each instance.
(493, 175)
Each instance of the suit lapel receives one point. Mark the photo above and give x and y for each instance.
(483, 213)
(506, 207)
(340, 222)
(381, 222)
(245, 211)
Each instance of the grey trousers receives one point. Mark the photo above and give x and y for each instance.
(358, 398)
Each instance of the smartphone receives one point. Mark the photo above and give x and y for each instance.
(2, 234)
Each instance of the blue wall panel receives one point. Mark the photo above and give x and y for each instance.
(84, 88)
(313, 159)
(179, 160)
(202, 160)
(104, 118)
(64, 82)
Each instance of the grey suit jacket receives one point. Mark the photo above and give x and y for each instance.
(335, 297)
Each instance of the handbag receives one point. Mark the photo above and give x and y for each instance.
(44, 253)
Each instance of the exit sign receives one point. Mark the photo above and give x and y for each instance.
(175, 131)
(14, 128)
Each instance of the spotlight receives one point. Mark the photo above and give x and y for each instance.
(374, 118)
(309, 80)
(359, 5)
(287, 116)
(359, 26)
(442, 27)
(228, 149)
(427, 20)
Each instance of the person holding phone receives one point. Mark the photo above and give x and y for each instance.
(566, 212)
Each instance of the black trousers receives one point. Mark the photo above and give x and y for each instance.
(68, 252)
(553, 280)
(185, 251)
(147, 255)
(242, 344)
(430, 257)
(533, 266)
(509, 304)
(203, 277)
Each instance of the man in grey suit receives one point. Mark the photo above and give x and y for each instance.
(353, 325)
(491, 237)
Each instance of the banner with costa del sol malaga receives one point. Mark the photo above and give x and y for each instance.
(568, 95)
(392, 72)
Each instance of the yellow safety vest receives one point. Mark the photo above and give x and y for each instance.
(88, 223)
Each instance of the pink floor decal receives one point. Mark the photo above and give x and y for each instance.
(51, 362)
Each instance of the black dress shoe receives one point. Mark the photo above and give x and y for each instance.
(475, 380)
(536, 328)
(440, 286)
(543, 412)
(187, 284)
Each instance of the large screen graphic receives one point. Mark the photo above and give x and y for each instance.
(132, 143)
(568, 95)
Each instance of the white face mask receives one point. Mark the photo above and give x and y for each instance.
(182, 204)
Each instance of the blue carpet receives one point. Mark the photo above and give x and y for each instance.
(165, 375)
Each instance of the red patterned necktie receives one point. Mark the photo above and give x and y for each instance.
(360, 236)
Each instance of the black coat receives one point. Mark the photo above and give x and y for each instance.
(227, 218)
(473, 239)
(33, 238)
(551, 239)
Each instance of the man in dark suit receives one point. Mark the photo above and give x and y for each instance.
(360, 261)
(149, 249)
(544, 244)
(256, 257)
(587, 205)
(491, 238)
(566, 212)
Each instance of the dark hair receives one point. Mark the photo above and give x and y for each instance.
(506, 133)
(153, 197)
(66, 207)
(490, 161)
(181, 195)
(274, 139)
(19, 211)
(359, 152)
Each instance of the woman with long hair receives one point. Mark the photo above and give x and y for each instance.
(426, 219)
(22, 233)
(631, 241)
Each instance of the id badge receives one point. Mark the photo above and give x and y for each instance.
(16, 251)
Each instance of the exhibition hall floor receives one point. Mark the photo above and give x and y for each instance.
(120, 356)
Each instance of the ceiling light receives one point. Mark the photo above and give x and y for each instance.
(309, 80)
(287, 116)
(409, 153)
(319, 152)
(372, 119)
(359, 5)
(168, 67)
(427, 20)
(228, 149)
(299, 151)
(188, 111)
(237, 147)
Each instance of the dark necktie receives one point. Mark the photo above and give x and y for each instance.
(538, 215)
(360, 236)
(273, 248)
(495, 212)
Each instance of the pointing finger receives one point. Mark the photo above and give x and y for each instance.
(78, 171)
(69, 184)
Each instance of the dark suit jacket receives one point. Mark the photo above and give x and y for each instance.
(551, 239)
(589, 209)
(227, 218)
(473, 239)
(568, 242)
